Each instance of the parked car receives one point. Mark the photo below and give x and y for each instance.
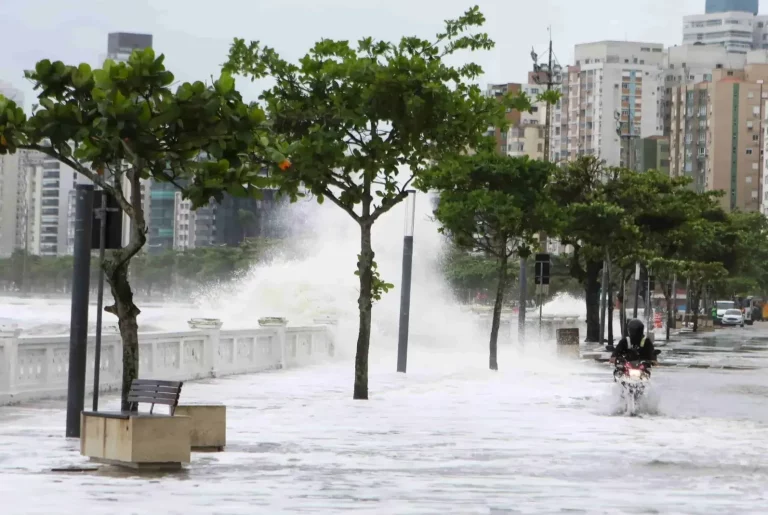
(733, 317)
(722, 306)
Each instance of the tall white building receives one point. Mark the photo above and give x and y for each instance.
(11, 184)
(11, 93)
(610, 80)
(736, 31)
(52, 212)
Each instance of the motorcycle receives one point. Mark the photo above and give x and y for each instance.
(634, 377)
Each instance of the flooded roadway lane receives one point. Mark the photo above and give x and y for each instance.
(448, 437)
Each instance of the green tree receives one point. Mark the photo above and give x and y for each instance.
(588, 220)
(122, 123)
(365, 120)
(496, 205)
(470, 273)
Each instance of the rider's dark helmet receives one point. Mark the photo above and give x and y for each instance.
(635, 329)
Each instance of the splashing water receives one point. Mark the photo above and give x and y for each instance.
(321, 282)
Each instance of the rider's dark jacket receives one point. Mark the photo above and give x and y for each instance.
(641, 350)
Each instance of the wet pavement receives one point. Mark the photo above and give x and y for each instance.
(543, 435)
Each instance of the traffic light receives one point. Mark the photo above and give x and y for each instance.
(542, 269)
(646, 282)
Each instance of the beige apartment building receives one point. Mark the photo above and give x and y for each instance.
(716, 134)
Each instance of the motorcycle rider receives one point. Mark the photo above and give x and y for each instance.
(636, 347)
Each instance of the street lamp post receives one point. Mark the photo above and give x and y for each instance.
(637, 288)
(549, 74)
(761, 151)
(405, 292)
(78, 333)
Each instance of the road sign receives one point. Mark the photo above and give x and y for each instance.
(114, 232)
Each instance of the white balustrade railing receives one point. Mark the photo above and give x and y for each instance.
(37, 367)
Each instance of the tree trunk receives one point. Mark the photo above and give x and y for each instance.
(603, 300)
(695, 307)
(609, 299)
(127, 313)
(592, 294)
(364, 303)
(493, 362)
(609, 318)
(116, 274)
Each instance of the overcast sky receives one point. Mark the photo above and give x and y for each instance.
(195, 34)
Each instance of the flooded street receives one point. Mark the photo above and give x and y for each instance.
(540, 436)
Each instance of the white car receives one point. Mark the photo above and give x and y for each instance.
(733, 317)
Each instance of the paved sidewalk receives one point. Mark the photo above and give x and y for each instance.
(449, 437)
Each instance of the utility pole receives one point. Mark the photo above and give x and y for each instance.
(548, 74)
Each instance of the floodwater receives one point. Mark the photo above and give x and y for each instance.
(543, 435)
(540, 436)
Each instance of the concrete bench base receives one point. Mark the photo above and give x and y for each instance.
(139, 441)
(208, 426)
(152, 467)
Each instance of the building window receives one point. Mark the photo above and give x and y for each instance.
(749, 151)
(750, 95)
(754, 166)
(756, 111)
(749, 180)
(755, 137)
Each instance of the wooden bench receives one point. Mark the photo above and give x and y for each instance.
(142, 440)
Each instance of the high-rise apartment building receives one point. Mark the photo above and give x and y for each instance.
(11, 187)
(716, 134)
(512, 116)
(722, 6)
(691, 64)
(732, 24)
(160, 218)
(651, 154)
(525, 134)
(614, 89)
(229, 222)
(120, 45)
(51, 211)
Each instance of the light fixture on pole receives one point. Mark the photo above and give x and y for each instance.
(405, 292)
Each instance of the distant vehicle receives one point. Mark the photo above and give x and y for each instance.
(733, 317)
(722, 306)
(753, 310)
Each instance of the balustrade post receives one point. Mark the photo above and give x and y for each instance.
(332, 328)
(9, 341)
(211, 329)
(278, 324)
